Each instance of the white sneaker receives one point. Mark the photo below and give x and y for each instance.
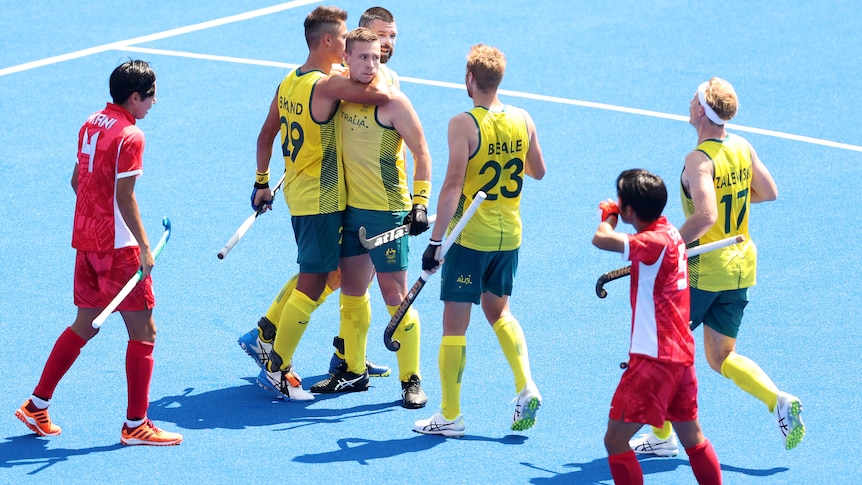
(286, 383)
(650, 444)
(526, 405)
(437, 424)
(788, 412)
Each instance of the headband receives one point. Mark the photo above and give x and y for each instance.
(707, 109)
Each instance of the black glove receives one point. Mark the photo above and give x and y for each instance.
(429, 257)
(417, 219)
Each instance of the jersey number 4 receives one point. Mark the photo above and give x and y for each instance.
(89, 148)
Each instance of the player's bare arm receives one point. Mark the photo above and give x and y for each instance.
(697, 179)
(402, 117)
(461, 130)
(128, 206)
(75, 179)
(268, 132)
(331, 89)
(607, 238)
(534, 165)
(763, 188)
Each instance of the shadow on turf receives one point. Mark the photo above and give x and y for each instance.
(249, 406)
(598, 471)
(30, 450)
(362, 450)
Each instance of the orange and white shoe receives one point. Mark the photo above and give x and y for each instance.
(148, 434)
(37, 419)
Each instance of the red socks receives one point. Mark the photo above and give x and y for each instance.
(625, 469)
(139, 372)
(66, 350)
(704, 463)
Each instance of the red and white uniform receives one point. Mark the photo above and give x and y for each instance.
(110, 147)
(659, 294)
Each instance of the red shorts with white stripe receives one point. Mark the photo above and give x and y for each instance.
(100, 275)
(652, 392)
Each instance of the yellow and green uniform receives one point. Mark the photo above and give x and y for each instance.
(314, 181)
(733, 267)
(374, 164)
(496, 168)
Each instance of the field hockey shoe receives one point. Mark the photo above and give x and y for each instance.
(148, 434)
(256, 347)
(412, 395)
(342, 381)
(374, 370)
(37, 419)
(788, 412)
(336, 362)
(650, 444)
(526, 405)
(438, 424)
(286, 383)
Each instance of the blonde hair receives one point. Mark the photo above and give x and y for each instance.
(487, 64)
(721, 97)
(359, 34)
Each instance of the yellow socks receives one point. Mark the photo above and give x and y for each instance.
(514, 345)
(663, 433)
(292, 324)
(407, 334)
(452, 358)
(273, 314)
(355, 321)
(749, 377)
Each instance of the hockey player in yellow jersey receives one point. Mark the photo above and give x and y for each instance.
(492, 148)
(721, 178)
(305, 110)
(378, 198)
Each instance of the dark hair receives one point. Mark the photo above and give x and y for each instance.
(132, 77)
(322, 20)
(375, 13)
(643, 191)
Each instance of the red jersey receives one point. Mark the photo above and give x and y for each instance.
(110, 147)
(660, 294)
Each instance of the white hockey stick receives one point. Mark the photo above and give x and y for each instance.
(246, 225)
(130, 285)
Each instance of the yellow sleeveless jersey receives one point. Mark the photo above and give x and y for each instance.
(496, 168)
(733, 267)
(314, 181)
(374, 166)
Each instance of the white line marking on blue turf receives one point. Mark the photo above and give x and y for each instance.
(157, 36)
(519, 94)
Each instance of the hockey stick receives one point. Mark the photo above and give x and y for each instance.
(124, 292)
(623, 272)
(387, 236)
(246, 225)
(394, 345)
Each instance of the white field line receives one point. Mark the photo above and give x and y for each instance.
(157, 36)
(518, 94)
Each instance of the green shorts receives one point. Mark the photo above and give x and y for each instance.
(388, 257)
(721, 311)
(467, 273)
(318, 242)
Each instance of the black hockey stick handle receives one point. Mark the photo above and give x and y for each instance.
(610, 276)
(394, 345)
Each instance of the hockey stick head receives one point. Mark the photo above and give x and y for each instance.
(610, 276)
